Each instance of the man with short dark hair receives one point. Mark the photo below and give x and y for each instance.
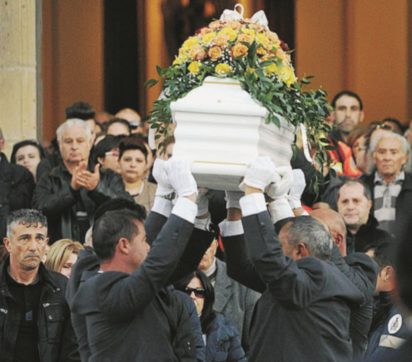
(34, 317)
(354, 203)
(127, 313)
(347, 114)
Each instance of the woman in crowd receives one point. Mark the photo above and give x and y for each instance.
(221, 338)
(30, 155)
(134, 168)
(62, 255)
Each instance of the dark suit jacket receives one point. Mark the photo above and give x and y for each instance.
(304, 312)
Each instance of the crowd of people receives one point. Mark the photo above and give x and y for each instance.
(111, 251)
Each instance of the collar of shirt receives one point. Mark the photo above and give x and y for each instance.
(400, 177)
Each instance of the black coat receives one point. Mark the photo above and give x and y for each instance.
(403, 203)
(56, 340)
(223, 341)
(57, 200)
(129, 317)
(16, 190)
(304, 312)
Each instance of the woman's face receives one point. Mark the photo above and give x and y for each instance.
(196, 291)
(67, 266)
(133, 165)
(359, 153)
(28, 157)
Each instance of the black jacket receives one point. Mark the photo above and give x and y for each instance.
(127, 317)
(367, 236)
(403, 203)
(304, 312)
(57, 200)
(16, 190)
(56, 340)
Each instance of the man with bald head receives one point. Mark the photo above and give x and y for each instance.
(360, 269)
(136, 124)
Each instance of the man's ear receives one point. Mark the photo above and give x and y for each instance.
(6, 243)
(362, 116)
(123, 246)
(302, 250)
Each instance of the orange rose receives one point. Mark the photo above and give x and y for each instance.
(261, 51)
(246, 38)
(197, 53)
(214, 53)
(239, 50)
(221, 40)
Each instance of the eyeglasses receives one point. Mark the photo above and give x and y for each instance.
(199, 292)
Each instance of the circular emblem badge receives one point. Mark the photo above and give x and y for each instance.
(395, 324)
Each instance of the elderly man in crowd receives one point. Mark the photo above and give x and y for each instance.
(70, 193)
(391, 187)
(354, 203)
(35, 320)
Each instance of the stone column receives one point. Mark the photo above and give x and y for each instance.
(19, 101)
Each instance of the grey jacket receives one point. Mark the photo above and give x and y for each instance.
(235, 302)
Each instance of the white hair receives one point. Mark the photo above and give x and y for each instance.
(391, 135)
(74, 122)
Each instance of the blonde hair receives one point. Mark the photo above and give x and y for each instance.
(60, 252)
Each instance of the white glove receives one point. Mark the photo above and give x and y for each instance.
(232, 199)
(259, 173)
(160, 174)
(202, 201)
(281, 184)
(296, 191)
(180, 177)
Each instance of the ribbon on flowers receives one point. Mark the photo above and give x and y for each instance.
(237, 14)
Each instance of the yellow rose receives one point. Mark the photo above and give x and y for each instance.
(207, 38)
(271, 69)
(246, 38)
(287, 75)
(229, 32)
(194, 67)
(221, 40)
(190, 42)
(262, 40)
(280, 54)
(248, 31)
(261, 51)
(223, 69)
(197, 53)
(239, 50)
(273, 37)
(214, 53)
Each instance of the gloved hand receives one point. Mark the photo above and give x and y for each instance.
(202, 201)
(180, 177)
(232, 199)
(296, 191)
(164, 188)
(259, 173)
(281, 184)
(279, 208)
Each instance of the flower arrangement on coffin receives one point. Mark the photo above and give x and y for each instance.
(245, 50)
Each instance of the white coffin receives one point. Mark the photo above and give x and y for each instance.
(220, 129)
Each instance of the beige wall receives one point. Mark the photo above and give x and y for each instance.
(72, 58)
(18, 71)
(359, 45)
